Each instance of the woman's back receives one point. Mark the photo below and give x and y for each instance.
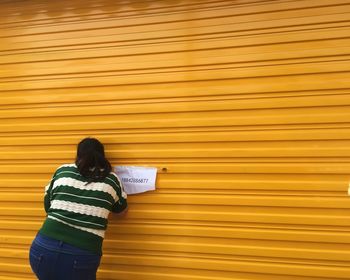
(81, 208)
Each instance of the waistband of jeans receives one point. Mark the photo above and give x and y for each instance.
(59, 246)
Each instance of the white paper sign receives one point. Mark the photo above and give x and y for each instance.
(136, 179)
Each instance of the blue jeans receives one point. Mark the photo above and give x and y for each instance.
(52, 259)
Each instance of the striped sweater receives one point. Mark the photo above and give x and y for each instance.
(77, 211)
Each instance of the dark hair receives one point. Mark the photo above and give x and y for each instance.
(91, 160)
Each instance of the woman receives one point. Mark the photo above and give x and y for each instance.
(77, 202)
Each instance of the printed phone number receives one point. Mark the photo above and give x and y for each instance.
(134, 180)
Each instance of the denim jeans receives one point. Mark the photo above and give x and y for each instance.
(52, 259)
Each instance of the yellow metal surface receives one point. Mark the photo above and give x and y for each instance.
(243, 106)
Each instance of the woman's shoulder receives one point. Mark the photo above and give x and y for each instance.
(114, 176)
(68, 166)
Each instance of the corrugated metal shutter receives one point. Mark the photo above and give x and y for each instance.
(245, 103)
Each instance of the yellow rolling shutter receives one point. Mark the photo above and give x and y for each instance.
(243, 106)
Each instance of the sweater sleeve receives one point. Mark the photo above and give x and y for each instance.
(121, 201)
(120, 205)
(47, 196)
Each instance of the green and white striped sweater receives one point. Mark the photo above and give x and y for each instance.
(77, 211)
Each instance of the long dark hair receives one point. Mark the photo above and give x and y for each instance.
(91, 160)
